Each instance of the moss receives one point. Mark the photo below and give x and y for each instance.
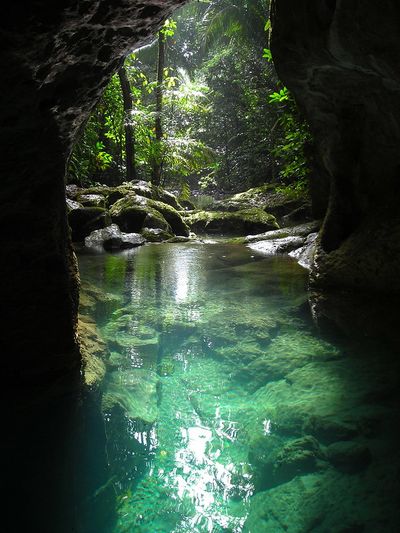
(156, 235)
(232, 223)
(155, 220)
(128, 214)
(171, 215)
(93, 350)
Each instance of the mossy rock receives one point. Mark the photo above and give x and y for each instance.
(155, 220)
(94, 351)
(264, 197)
(156, 235)
(135, 392)
(87, 219)
(128, 214)
(133, 212)
(166, 197)
(91, 200)
(232, 223)
(171, 215)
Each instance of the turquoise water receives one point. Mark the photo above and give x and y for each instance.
(226, 409)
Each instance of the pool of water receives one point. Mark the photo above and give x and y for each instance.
(226, 409)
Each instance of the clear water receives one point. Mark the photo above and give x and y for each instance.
(226, 410)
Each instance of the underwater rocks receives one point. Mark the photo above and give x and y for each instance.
(279, 461)
(348, 456)
(135, 392)
(94, 352)
(112, 238)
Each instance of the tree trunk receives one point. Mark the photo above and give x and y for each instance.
(157, 163)
(129, 133)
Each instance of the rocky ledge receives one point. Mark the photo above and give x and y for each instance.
(137, 212)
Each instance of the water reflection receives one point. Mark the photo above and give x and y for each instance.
(226, 409)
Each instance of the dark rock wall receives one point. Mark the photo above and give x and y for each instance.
(341, 61)
(56, 58)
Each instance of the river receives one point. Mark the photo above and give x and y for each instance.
(227, 409)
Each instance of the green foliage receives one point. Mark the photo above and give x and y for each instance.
(225, 125)
(185, 192)
(290, 148)
(168, 29)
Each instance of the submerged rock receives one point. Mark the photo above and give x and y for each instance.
(94, 352)
(135, 392)
(349, 456)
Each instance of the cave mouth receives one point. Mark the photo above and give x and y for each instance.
(52, 442)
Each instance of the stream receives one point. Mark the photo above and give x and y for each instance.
(226, 409)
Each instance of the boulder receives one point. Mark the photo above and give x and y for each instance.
(128, 213)
(72, 204)
(301, 230)
(305, 254)
(112, 238)
(133, 211)
(231, 223)
(264, 197)
(277, 246)
(84, 220)
(155, 234)
(92, 200)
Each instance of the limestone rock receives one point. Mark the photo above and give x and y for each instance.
(156, 234)
(330, 55)
(92, 200)
(112, 238)
(135, 392)
(305, 254)
(301, 230)
(264, 197)
(278, 246)
(94, 352)
(72, 204)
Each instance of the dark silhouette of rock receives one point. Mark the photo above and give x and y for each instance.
(331, 56)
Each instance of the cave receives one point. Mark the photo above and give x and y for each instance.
(340, 61)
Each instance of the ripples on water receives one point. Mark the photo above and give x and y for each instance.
(226, 411)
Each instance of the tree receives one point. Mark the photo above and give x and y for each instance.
(129, 133)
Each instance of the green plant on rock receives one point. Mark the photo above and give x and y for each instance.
(290, 145)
